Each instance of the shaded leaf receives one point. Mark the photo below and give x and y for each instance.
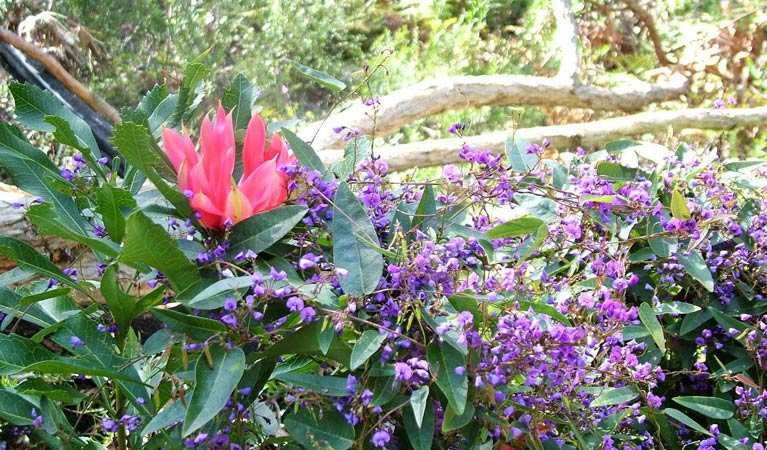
(519, 159)
(713, 407)
(615, 396)
(259, 232)
(304, 152)
(28, 259)
(320, 77)
(521, 226)
(443, 359)
(696, 267)
(320, 430)
(648, 318)
(366, 346)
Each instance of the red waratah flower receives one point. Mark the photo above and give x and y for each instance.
(206, 176)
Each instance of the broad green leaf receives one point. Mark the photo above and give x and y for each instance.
(259, 232)
(214, 295)
(678, 308)
(133, 143)
(168, 416)
(366, 346)
(355, 151)
(354, 244)
(420, 433)
(320, 77)
(419, 400)
(28, 259)
(17, 352)
(45, 295)
(615, 172)
(45, 313)
(320, 430)
(49, 222)
(454, 421)
(685, 419)
(443, 359)
(73, 366)
(647, 150)
(615, 396)
(696, 267)
(33, 104)
(304, 152)
(727, 321)
(679, 207)
(648, 318)
(148, 243)
(121, 305)
(189, 94)
(521, 226)
(323, 385)
(588, 198)
(239, 96)
(425, 210)
(539, 207)
(15, 408)
(41, 387)
(196, 327)
(519, 159)
(152, 100)
(713, 407)
(662, 246)
(213, 384)
(112, 204)
(729, 442)
(692, 321)
(305, 341)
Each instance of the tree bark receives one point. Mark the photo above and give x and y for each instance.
(437, 152)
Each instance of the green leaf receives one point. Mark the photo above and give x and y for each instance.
(15, 409)
(73, 366)
(519, 159)
(45, 295)
(443, 359)
(354, 244)
(696, 267)
(148, 243)
(427, 206)
(28, 259)
(693, 320)
(419, 400)
(354, 152)
(685, 419)
(678, 308)
(713, 407)
(112, 202)
(648, 318)
(213, 384)
(121, 305)
(420, 433)
(542, 208)
(215, 294)
(320, 77)
(34, 104)
(320, 430)
(323, 385)
(304, 152)
(48, 222)
(189, 94)
(615, 396)
(168, 416)
(239, 96)
(454, 421)
(305, 341)
(196, 327)
(133, 142)
(366, 346)
(521, 226)
(647, 150)
(726, 321)
(679, 206)
(259, 232)
(615, 172)
(17, 352)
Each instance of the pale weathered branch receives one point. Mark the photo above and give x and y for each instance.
(431, 97)
(566, 37)
(55, 69)
(443, 151)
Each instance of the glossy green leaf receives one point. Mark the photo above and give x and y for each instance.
(188, 96)
(320, 430)
(17, 352)
(424, 212)
(168, 416)
(454, 421)
(45, 295)
(615, 172)
(148, 243)
(49, 221)
(215, 294)
(648, 318)
(213, 384)
(542, 208)
(28, 259)
(615, 396)
(679, 207)
(75, 366)
(685, 419)
(121, 305)
(519, 159)
(420, 433)
(692, 321)
(677, 308)
(713, 407)
(324, 385)
(419, 400)
(112, 204)
(194, 326)
(320, 77)
(727, 322)
(259, 232)
(305, 341)
(443, 359)
(366, 346)
(354, 244)
(696, 267)
(15, 409)
(304, 152)
(521, 226)
(647, 150)
(34, 104)
(239, 96)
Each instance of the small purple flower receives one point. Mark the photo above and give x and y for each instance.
(381, 438)
(307, 314)
(403, 371)
(67, 174)
(308, 261)
(75, 341)
(295, 304)
(456, 128)
(229, 319)
(452, 173)
(230, 304)
(37, 419)
(277, 276)
(109, 425)
(719, 104)
(103, 161)
(460, 370)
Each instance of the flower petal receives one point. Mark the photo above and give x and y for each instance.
(178, 147)
(210, 215)
(266, 187)
(218, 149)
(238, 206)
(253, 148)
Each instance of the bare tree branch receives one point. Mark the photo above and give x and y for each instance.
(649, 23)
(407, 105)
(55, 68)
(566, 38)
(443, 151)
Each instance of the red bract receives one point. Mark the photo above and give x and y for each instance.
(206, 176)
